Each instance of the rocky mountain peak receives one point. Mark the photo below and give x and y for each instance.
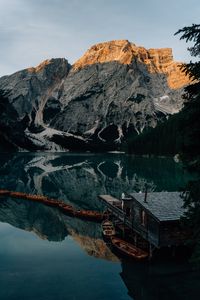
(40, 67)
(115, 90)
(124, 52)
(117, 50)
(54, 64)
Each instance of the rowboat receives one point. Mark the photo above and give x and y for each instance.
(88, 214)
(128, 249)
(4, 193)
(68, 209)
(65, 208)
(108, 228)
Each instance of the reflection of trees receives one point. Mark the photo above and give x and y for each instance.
(79, 179)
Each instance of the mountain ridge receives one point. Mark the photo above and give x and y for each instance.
(157, 60)
(113, 90)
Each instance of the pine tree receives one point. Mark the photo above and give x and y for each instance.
(191, 127)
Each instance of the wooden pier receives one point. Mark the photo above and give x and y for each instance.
(124, 222)
(155, 217)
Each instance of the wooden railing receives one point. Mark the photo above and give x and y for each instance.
(141, 230)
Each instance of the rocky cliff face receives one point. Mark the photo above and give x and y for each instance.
(124, 52)
(114, 90)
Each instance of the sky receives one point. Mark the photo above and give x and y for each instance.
(34, 30)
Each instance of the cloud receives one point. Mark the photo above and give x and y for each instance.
(33, 30)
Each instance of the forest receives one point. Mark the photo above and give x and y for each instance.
(180, 134)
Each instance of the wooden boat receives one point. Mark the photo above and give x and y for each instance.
(37, 198)
(68, 209)
(108, 228)
(88, 214)
(4, 193)
(17, 194)
(128, 249)
(50, 202)
(65, 208)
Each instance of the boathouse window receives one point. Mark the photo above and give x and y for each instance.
(143, 218)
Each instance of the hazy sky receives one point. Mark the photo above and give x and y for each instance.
(34, 30)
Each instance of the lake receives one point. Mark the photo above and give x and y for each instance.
(47, 255)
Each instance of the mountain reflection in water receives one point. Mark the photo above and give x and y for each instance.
(78, 179)
(50, 224)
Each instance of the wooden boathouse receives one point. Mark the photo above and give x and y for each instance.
(155, 217)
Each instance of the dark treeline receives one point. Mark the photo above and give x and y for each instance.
(166, 139)
(181, 134)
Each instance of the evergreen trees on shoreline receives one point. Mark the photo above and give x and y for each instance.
(180, 133)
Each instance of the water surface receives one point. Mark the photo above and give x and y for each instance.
(47, 255)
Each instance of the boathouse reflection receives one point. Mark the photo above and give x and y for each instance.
(161, 280)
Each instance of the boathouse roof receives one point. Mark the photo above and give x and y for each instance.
(165, 206)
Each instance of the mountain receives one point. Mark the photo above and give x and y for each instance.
(114, 90)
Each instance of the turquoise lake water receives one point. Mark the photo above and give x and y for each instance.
(47, 255)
